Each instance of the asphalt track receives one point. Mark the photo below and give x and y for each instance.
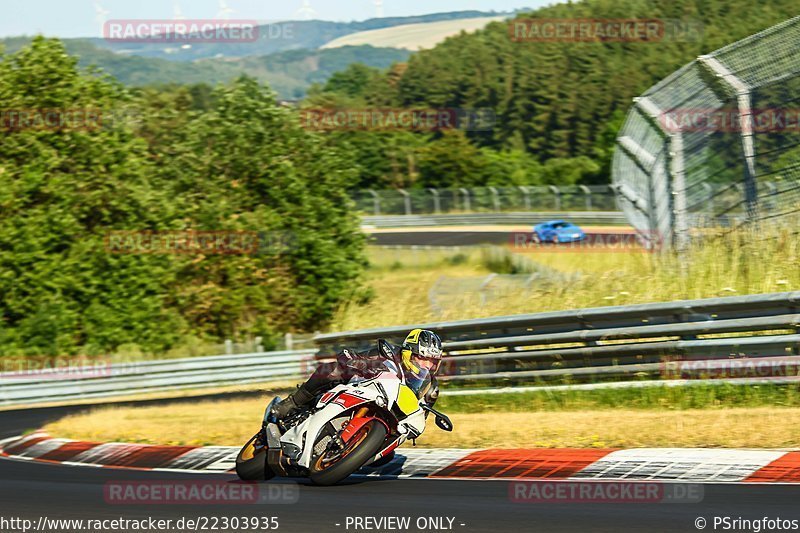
(503, 237)
(32, 490)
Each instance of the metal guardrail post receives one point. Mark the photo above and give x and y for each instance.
(406, 200)
(465, 192)
(526, 195)
(376, 202)
(437, 204)
(495, 198)
(588, 193)
(557, 195)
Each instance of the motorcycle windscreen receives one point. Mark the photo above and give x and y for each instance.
(419, 381)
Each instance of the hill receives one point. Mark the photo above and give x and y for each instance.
(289, 73)
(412, 36)
(298, 35)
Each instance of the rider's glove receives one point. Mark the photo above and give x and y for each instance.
(345, 357)
(415, 423)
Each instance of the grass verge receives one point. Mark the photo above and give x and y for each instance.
(740, 263)
(722, 416)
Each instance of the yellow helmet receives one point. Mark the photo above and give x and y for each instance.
(422, 351)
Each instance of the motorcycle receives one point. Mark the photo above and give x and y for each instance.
(357, 423)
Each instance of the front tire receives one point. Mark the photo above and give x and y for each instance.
(251, 463)
(365, 445)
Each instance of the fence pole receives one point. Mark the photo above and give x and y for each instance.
(288, 340)
(744, 107)
(465, 192)
(588, 193)
(376, 202)
(681, 227)
(557, 196)
(495, 199)
(526, 194)
(437, 205)
(406, 200)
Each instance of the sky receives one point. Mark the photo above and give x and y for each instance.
(83, 18)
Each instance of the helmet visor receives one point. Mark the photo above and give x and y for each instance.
(417, 381)
(429, 365)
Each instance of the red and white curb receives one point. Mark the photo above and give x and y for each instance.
(645, 464)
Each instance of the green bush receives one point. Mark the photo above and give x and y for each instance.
(245, 164)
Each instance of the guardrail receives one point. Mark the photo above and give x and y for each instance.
(682, 341)
(157, 376)
(612, 218)
(485, 199)
(610, 342)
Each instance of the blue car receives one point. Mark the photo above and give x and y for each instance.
(557, 231)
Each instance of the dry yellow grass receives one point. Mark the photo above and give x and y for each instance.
(740, 264)
(412, 36)
(233, 422)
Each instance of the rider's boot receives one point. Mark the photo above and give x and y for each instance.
(299, 398)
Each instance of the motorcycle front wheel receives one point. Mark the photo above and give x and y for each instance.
(251, 463)
(329, 470)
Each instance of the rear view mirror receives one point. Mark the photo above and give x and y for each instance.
(386, 350)
(444, 423)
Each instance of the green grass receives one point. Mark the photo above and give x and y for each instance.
(646, 398)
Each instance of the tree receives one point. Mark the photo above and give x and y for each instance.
(62, 188)
(244, 164)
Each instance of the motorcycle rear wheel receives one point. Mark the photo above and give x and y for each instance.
(361, 448)
(251, 463)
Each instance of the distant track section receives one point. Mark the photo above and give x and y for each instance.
(612, 218)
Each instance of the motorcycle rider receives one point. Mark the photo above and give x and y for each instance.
(420, 357)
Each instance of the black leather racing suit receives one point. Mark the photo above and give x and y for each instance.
(349, 364)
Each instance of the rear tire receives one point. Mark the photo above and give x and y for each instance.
(251, 463)
(365, 450)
